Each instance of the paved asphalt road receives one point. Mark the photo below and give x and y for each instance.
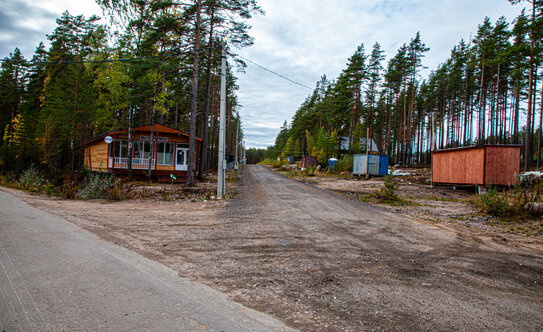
(55, 276)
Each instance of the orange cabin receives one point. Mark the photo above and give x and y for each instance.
(477, 165)
(169, 147)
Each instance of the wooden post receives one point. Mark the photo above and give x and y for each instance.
(432, 145)
(368, 154)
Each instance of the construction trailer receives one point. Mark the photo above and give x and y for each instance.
(377, 164)
(477, 165)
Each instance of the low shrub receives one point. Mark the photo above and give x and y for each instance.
(99, 185)
(8, 179)
(280, 163)
(494, 203)
(68, 189)
(267, 161)
(516, 203)
(310, 171)
(31, 179)
(344, 164)
(387, 193)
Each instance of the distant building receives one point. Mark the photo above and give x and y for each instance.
(345, 141)
(109, 152)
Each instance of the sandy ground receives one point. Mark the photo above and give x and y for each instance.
(323, 262)
(446, 204)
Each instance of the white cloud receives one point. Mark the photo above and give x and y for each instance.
(305, 39)
(300, 39)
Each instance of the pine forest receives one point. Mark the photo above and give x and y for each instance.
(487, 92)
(155, 62)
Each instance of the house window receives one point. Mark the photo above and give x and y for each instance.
(121, 148)
(165, 154)
(142, 150)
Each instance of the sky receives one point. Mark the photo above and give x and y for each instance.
(299, 39)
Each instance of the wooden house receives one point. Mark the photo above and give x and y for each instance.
(477, 165)
(109, 152)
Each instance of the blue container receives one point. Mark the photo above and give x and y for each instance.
(383, 165)
(332, 162)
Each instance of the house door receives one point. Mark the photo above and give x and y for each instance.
(181, 158)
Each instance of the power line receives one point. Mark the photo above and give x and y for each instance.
(154, 57)
(277, 74)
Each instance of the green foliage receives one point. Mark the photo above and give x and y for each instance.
(344, 164)
(100, 185)
(31, 179)
(279, 163)
(492, 202)
(267, 161)
(310, 171)
(68, 189)
(512, 204)
(387, 193)
(321, 157)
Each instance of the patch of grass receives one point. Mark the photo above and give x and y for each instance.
(439, 199)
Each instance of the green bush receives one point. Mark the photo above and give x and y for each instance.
(99, 185)
(8, 179)
(388, 192)
(280, 163)
(31, 179)
(493, 203)
(267, 161)
(344, 164)
(310, 171)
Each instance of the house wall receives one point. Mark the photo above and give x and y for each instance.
(502, 165)
(459, 166)
(98, 152)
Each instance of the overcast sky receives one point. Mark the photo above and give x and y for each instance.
(300, 39)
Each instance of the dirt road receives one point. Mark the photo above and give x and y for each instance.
(319, 261)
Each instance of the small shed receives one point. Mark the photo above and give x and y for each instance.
(308, 161)
(166, 150)
(378, 164)
(477, 165)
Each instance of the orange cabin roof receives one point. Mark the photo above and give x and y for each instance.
(159, 128)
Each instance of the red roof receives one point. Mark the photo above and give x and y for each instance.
(159, 128)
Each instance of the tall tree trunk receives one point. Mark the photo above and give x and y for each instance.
(540, 127)
(528, 140)
(194, 100)
(517, 110)
(202, 168)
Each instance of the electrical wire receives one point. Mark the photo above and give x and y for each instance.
(274, 73)
(154, 57)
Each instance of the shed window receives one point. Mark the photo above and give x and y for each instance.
(165, 154)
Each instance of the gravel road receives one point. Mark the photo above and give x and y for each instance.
(321, 262)
(349, 265)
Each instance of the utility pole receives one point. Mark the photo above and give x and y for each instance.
(130, 147)
(222, 133)
(236, 162)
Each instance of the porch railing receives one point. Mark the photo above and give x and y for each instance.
(137, 163)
